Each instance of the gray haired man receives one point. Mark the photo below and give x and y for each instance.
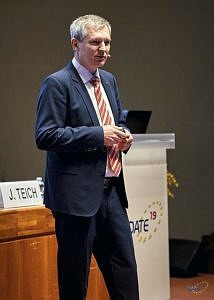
(81, 126)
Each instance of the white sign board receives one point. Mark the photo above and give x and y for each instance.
(145, 178)
(20, 193)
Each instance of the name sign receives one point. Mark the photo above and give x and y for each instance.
(20, 193)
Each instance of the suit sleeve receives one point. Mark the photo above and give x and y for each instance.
(121, 115)
(52, 133)
(121, 118)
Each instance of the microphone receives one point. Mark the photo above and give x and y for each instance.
(109, 55)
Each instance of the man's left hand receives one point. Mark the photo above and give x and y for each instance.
(125, 143)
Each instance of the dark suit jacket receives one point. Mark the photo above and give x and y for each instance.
(67, 127)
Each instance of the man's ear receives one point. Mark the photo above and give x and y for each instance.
(74, 44)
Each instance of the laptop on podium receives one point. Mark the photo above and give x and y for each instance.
(137, 120)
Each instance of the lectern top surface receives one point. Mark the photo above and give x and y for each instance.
(166, 140)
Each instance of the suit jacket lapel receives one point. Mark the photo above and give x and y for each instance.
(79, 85)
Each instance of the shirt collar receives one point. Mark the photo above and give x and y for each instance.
(84, 73)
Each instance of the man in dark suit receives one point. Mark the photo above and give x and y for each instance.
(81, 126)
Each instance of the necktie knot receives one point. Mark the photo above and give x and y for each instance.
(95, 81)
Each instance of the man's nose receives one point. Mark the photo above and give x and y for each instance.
(102, 46)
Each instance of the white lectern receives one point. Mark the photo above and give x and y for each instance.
(145, 173)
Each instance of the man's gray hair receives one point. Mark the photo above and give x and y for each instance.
(78, 29)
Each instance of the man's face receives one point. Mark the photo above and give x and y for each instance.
(92, 52)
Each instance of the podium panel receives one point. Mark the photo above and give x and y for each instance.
(28, 252)
(145, 173)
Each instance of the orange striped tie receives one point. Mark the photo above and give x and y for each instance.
(113, 152)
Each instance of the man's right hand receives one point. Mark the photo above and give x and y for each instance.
(113, 135)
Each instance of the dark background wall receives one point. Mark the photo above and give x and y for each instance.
(162, 54)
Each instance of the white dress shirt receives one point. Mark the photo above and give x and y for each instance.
(86, 76)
